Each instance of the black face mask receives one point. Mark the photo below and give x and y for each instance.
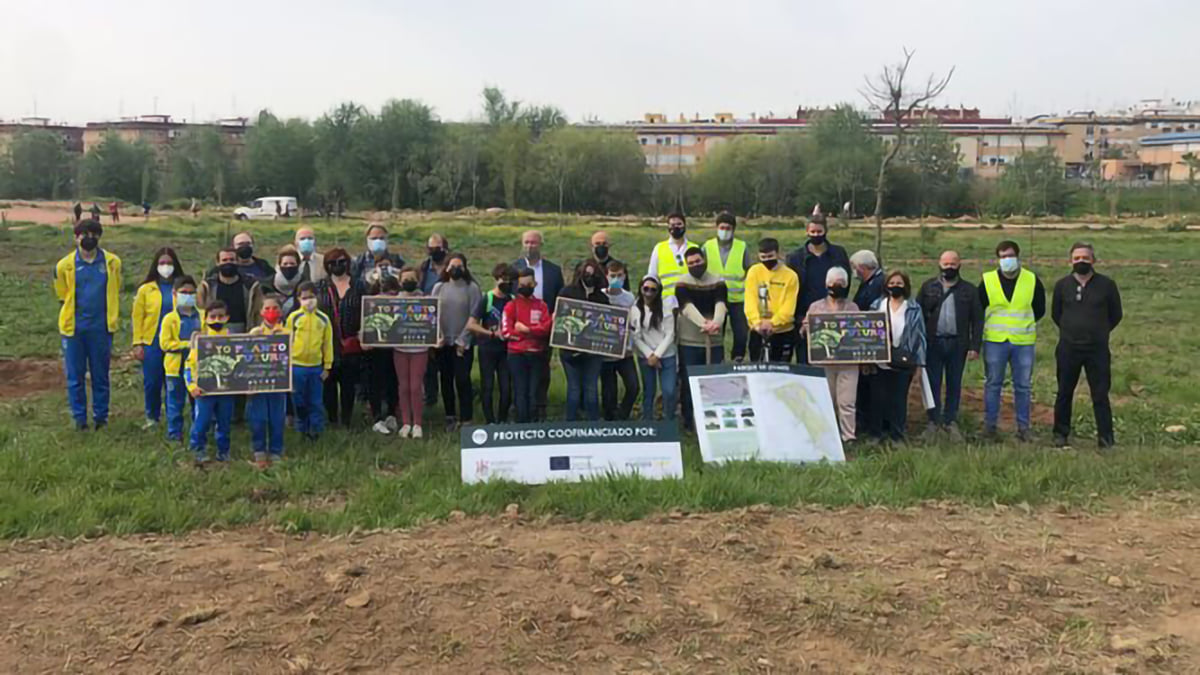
(601, 251)
(678, 231)
(838, 292)
(245, 251)
(770, 264)
(457, 273)
(216, 325)
(896, 291)
(228, 269)
(338, 267)
(504, 287)
(289, 273)
(89, 243)
(949, 273)
(698, 271)
(526, 291)
(1082, 268)
(408, 285)
(437, 255)
(817, 240)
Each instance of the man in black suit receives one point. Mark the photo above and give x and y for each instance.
(549, 279)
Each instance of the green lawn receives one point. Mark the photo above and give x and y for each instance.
(54, 481)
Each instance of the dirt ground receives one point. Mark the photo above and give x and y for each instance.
(25, 377)
(934, 589)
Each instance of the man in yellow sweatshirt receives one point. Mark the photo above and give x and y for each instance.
(771, 292)
(312, 358)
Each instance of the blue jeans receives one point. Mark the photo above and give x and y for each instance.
(266, 412)
(996, 358)
(177, 398)
(153, 380)
(668, 375)
(693, 356)
(87, 352)
(583, 384)
(308, 397)
(209, 410)
(945, 357)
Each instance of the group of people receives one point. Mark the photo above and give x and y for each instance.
(679, 312)
(114, 211)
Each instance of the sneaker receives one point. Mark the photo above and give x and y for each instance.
(405, 431)
(991, 435)
(149, 424)
(955, 434)
(100, 424)
(81, 426)
(1025, 435)
(1061, 441)
(381, 427)
(391, 423)
(416, 431)
(1106, 443)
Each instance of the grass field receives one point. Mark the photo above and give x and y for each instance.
(54, 481)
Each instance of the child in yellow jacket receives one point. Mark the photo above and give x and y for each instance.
(174, 337)
(312, 359)
(266, 412)
(210, 409)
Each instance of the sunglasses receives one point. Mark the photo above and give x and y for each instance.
(649, 289)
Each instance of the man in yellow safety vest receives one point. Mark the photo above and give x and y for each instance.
(1013, 301)
(729, 259)
(667, 260)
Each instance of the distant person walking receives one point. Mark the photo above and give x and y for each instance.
(146, 209)
(195, 208)
(114, 211)
(95, 211)
(78, 210)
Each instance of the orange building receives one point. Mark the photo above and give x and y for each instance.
(159, 132)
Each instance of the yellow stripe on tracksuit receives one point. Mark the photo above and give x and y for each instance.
(1007, 320)
(312, 338)
(64, 289)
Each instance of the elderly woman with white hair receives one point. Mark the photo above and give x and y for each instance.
(842, 379)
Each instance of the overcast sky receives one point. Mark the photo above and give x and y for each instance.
(83, 60)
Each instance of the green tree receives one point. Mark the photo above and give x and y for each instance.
(117, 168)
(280, 157)
(200, 165)
(839, 156)
(457, 162)
(403, 134)
(933, 156)
(1192, 161)
(340, 146)
(508, 149)
(36, 166)
(1034, 184)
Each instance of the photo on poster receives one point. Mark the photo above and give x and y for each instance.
(724, 391)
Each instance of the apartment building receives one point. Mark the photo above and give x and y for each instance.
(160, 132)
(1116, 138)
(72, 137)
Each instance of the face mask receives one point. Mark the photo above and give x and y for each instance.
(227, 269)
(289, 273)
(838, 292)
(649, 292)
(616, 282)
(437, 255)
(532, 253)
(409, 285)
(601, 251)
(339, 267)
(504, 287)
(271, 314)
(457, 273)
(698, 271)
(896, 291)
(377, 245)
(949, 273)
(245, 251)
(309, 304)
(216, 325)
(770, 264)
(817, 240)
(307, 246)
(526, 291)
(724, 235)
(165, 271)
(677, 231)
(596, 280)
(383, 271)
(1010, 265)
(89, 243)
(1082, 268)
(185, 299)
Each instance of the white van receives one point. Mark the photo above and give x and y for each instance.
(268, 208)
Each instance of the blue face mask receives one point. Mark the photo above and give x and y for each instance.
(1010, 265)
(377, 245)
(185, 299)
(307, 246)
(616, 282)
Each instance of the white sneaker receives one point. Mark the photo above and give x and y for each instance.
(404, 431)
(416, 431)
(391, 423)
(381, 427)
(149, 424)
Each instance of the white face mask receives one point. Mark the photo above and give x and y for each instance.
(724, 235)
(165, 271)
(309, 304)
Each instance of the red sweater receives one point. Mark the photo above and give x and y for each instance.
(533, 313)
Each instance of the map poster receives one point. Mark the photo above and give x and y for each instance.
(771, 412)
(243, 364)
(590, 327)
(392, 321)
(848, 337)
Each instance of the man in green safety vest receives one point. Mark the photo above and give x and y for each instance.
(729, 259)
(667, 261)
(1013, 301)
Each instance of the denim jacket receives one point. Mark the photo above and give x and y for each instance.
(913, 338)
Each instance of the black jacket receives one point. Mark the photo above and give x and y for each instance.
(1085, 315)
(869, 291)
(800, 259)
(968, 313)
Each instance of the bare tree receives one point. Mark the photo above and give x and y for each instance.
(895, 99)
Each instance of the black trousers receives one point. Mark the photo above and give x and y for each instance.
(431, 381)
(779, 346)
(889, 403)
(1096, 362)
(455, 372)
(493, 368)
(382, 393)
(542, 393)
(627, 370)
(339, 389)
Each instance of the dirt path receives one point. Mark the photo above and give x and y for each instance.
(935, 589)
(26, 377)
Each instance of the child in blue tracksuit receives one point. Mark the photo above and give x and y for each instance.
(174, 338)
(312, 358)
(266, 411)
(210, 409)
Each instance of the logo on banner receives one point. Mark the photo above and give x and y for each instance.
(560, 463)
(479, 436)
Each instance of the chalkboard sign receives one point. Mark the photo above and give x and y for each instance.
(589, 327)
(243, 364)
(392, 321)
(850, 337)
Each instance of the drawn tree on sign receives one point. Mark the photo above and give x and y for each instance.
(829, 339)
(217, 367)
(573, 326)
(380, 323)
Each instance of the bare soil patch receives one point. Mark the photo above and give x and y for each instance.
(936, 589)
(26, 377)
